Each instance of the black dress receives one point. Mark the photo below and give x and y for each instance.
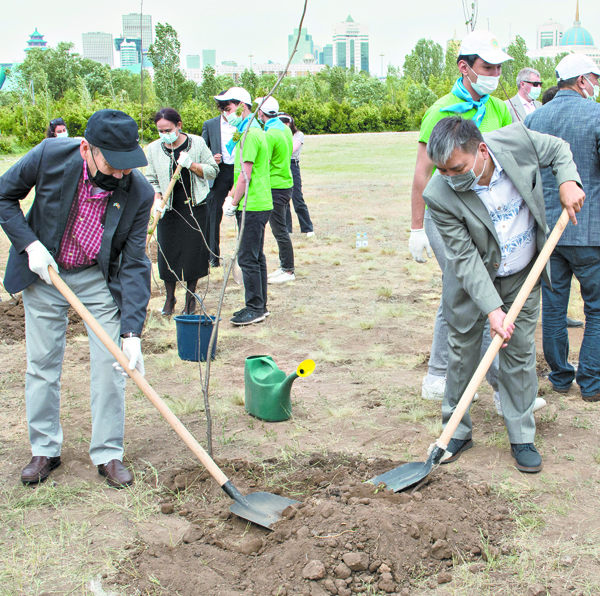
(181, 244)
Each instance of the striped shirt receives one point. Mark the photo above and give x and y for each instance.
(512, 219)
(81, 241)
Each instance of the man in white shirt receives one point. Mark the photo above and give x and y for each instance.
(525, 101)
(217, 133)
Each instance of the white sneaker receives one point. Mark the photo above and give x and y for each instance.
(310, 234)
(276, 273)
(539, 403)
(435, 390)
(282, 278)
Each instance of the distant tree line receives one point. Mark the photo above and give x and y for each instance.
(60, 82)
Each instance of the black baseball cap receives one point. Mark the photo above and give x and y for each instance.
(116, 135)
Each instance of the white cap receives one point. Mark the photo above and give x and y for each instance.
(270, 107)
(574, 65)
(237, 94)
(485, 45)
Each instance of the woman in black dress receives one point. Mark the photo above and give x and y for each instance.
(182, 231)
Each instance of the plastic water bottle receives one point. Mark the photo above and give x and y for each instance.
(358, 240)
(365, 240)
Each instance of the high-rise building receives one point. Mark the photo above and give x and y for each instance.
(351, 45)
(98, 47)
(327, 57)
(192, 61)
(133, 26)
(209, 58)
(549, 34)
(305, 46)
(130, 54)
(36, 40)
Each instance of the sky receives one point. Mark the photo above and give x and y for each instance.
(237, 29)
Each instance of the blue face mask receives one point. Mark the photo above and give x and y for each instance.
(234, 119)
(63, 134)
(466, 181)
(169, 137)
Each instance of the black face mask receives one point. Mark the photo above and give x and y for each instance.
(106, 181)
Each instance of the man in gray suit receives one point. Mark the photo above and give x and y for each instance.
(217, 133)
(525, 101)
(487, 203)
(572, 118)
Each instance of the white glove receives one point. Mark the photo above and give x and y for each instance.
(40, 259)
(417, 243)
(185, 161)
(157, 210)
(229, 208)
(132, 348)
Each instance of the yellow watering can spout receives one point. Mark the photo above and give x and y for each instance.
(305, 368)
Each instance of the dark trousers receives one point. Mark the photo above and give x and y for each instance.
(214, 200)
(300, 206)
(251, 258)
(281, 202)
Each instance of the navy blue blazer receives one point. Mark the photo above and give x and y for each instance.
(211, 133)
(54, 168)
(576, 120)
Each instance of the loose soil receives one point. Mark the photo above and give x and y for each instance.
(366, 317)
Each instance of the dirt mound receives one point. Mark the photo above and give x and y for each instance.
(344, 537)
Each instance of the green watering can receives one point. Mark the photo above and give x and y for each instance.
(268, 388)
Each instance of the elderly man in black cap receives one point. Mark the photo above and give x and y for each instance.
(88, 221)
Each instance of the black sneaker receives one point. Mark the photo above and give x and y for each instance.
(239, 312)
(527, 457)
(247, 316)
(455, 449)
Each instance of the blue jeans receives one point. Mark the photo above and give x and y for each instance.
(584, 263)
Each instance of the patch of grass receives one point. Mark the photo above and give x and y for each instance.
(365, 325)
(384, 292)
(584, 423)
(182, 405)
(388, 251)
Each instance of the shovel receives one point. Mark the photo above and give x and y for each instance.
(264, 509)
(154, 221)
(409, 474)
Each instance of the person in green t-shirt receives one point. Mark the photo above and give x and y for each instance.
(480, 64)
(255, 162)
(280, 142)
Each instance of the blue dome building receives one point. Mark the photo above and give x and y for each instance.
(577, 35)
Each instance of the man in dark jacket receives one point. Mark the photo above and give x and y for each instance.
(88, 221)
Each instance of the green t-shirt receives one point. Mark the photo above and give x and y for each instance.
(256, 151)
(281, 146)
(496, 116)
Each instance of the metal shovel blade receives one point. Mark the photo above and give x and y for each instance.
(263, 509)
(407, 475)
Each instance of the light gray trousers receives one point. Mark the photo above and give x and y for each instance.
(438, 359)
(45, 331)
(518, 383)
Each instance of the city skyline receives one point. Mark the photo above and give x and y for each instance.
(392, 31)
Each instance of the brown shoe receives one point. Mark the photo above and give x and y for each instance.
(39, 468)
(117, 475)
(592, 398)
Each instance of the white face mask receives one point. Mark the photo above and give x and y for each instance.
(234, 119)
(466, 181)
(534, 93)
(62, 134)
(484, 85)
(596, 89)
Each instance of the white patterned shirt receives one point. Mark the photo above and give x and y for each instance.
(514, 223)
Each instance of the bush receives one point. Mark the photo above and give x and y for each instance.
(9, 145)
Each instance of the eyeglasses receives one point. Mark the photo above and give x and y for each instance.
(534, 83)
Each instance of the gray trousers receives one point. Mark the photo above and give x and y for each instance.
(438, 359)
(518, 384)
(45, 331)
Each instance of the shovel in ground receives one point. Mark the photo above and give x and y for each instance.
(410, 474)
(264, 509)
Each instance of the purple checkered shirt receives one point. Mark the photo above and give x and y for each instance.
(81, 241)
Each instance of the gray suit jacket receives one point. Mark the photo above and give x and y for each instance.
(54, 168)
(516, 109)
(211, 133)
(470, 240)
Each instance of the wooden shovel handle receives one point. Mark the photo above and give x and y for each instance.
(139, 380)
(153, 220)
(510, 318)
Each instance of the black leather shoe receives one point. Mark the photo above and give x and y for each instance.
(39, 468)
(455, 448)
(116, 474)
(573, 323)
(527, 458)
(591, 398)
